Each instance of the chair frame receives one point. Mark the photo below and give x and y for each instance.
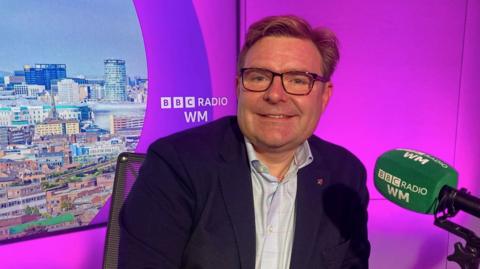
(112, 240)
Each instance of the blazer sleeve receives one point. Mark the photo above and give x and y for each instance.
(156, 219)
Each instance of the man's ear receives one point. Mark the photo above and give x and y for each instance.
(326, 94)
(237, 85)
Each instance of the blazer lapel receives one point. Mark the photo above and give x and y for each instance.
(310, 183)
(236, 185)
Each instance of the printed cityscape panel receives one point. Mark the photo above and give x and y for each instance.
(65, 117)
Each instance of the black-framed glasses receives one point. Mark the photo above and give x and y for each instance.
(294, 82)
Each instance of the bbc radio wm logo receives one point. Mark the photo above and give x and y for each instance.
(177, 102)
(192, 102)
(395, 186)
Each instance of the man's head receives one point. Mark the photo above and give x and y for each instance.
(293, 26)
(283, 81)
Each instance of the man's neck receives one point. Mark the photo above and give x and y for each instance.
(278, 163)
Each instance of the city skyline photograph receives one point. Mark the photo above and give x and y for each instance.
(73, 95)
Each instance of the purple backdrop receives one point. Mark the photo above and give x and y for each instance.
(408, 77)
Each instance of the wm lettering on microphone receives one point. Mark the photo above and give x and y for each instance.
(192, 102)
(422, 158)
(399, 188)
(415, 157)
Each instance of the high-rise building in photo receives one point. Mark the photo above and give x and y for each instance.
(43, 74)
(68, 91)
(115, 80)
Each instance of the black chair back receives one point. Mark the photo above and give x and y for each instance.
(128, 166)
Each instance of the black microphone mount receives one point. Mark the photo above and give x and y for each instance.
(456, 200)
(450, 203)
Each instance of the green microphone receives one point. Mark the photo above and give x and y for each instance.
(422, 183)
(414, 180)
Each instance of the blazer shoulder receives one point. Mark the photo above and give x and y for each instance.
(335, 156)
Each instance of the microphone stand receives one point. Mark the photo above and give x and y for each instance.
(468, 255)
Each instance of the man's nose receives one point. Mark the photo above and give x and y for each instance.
(276, 92)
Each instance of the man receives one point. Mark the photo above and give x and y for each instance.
(257, 190)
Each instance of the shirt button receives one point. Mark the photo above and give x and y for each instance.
(270, 229)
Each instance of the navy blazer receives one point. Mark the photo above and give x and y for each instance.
(192, 205)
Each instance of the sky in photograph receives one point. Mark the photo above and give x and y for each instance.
(79, 33)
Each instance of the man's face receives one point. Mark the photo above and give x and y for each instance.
(275, 121)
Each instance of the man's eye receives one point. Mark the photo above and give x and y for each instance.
(299, 80)
(257, 78)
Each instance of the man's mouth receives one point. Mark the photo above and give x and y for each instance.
(276, 116)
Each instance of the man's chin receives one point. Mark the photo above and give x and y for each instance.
(274, 145)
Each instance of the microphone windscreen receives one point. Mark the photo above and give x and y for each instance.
(413, 179)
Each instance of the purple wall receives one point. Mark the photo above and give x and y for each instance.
(467, 150)
(408, 77)
(72, 250)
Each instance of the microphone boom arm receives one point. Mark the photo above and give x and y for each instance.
(468, 256)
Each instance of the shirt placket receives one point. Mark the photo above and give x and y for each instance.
(271, 236)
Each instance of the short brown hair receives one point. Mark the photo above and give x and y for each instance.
(294, 26)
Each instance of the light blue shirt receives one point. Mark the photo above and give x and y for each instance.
(274, 205)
